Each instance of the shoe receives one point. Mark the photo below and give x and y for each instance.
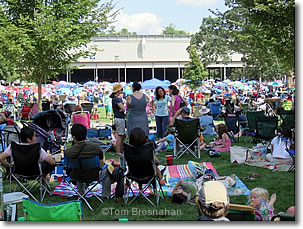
(119, 154)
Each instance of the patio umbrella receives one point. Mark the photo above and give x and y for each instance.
(78, 90)
(64, 86)
(153, 83)
(237, 84)
(91, 83)
(220, 84)
(67, 91)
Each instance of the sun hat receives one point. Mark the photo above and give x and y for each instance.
(213, 191)
(204, 110)
(117, 87)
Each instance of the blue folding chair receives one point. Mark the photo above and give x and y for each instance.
(215, 109)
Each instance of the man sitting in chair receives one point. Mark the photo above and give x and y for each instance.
(28, 136)
(81, 149)
(185, 113)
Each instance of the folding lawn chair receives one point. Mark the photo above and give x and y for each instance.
(232, 123)
(292, 154)
(84, 164)
(69, 108)
(87, 107)
(186, 135)
(141, 169)
(284, 217)
(82, 117)
(288, 118)
(66, 211)
(251, 122)
(237, 212)
(26, 164)
(266, 128)
(215, 109)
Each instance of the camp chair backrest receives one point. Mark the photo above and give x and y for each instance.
(215, 108)
(82, 117)
(26, 159)
(238, 212)
(231, 122)
(187, 131)
(87, 107)
(266, 127)
(82, 163)
(288, 118)
(140, 160)
(251, 118)
(66, 211)
(69, 108)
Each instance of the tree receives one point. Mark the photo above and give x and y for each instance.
(170, 30)
(195, 70)
(262, 30)
(54, 34)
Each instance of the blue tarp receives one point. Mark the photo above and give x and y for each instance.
(153, 83)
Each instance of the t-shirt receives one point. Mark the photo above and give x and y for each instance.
(189, 188)
(279, 148)
(208, 122)
(162, 106)
(116, 108)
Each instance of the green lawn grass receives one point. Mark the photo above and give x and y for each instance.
(281, 183)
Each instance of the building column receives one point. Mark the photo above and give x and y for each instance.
(67, 73)
(179, 71)
(142, 76)
(224, 73)
(125, 73)
(96, 73)
(164, 73)
(153, 71)
(119, 77)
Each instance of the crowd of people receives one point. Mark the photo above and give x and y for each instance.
(130, 114)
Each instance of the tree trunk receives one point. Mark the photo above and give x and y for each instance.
(39, 94)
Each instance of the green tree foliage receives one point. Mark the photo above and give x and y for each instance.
(195, 70)
(49, 34)
(171, 30)
(262, 30)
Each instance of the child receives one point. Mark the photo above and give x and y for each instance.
(256, 196)
(184, 192)
(166, 143)
(278, 146)
(222, 143)
(114, 136)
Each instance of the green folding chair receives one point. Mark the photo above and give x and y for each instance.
(66, 211)
(237, 212)
(266, 128)
(251, 124)
(288, 118)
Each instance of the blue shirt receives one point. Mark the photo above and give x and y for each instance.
(208, 122)
(162, 106)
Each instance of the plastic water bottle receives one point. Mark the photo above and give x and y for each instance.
(264, 211)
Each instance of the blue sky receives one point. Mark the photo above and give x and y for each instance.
(151, 16)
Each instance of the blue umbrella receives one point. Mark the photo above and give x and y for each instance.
(153, 83)
(167, 82)
(220, 84)
(67, 91)
(64, 86)
(91, 83)
(78, 90)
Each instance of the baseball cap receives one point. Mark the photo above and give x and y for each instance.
(213, 191)
(185, 110)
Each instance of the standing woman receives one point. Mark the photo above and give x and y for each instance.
(161, 114)
(107, 101)
(175, 101)
(136, 105)
(119, 117)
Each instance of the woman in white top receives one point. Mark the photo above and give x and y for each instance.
(279, 144)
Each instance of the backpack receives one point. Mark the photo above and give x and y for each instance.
(118, 176)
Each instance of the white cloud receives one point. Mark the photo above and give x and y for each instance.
(197, 2)
(141, 23)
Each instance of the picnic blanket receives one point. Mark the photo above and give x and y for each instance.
(260, 161)
(63, 189)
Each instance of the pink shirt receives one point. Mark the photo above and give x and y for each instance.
(176, 106)
(43, 154)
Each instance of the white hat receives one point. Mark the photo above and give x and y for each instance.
(204, 110)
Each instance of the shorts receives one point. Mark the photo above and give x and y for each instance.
(120, 126)
(108, 109)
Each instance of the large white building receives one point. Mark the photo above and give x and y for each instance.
(138, 58)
